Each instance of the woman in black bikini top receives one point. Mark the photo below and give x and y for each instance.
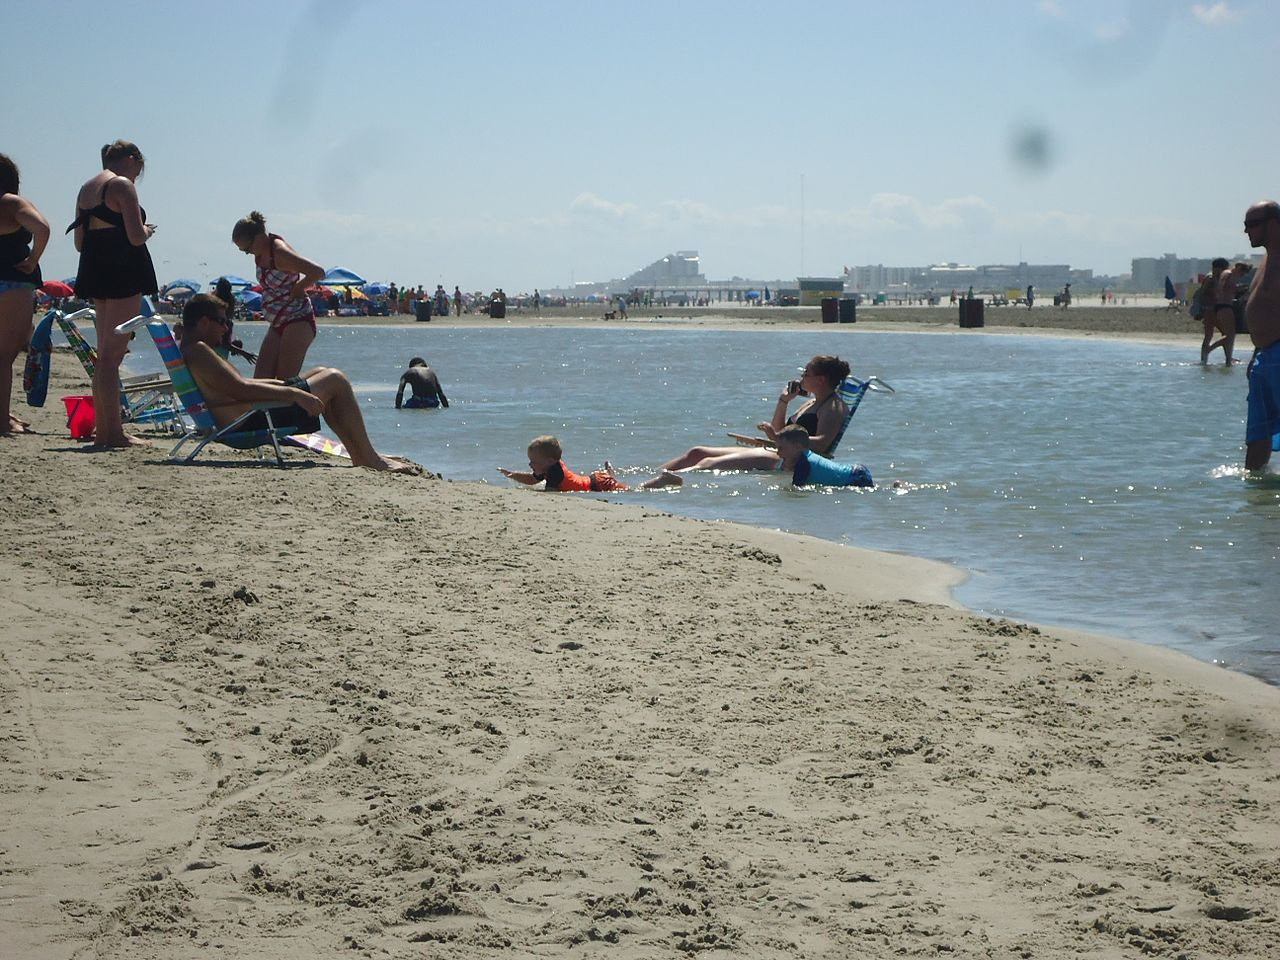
(822, 416)
(23, 235)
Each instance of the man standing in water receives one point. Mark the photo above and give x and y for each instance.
(1262, 226)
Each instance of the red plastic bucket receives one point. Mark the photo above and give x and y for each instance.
(79, 417)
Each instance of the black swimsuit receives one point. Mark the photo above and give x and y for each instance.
(111, 267)
(14, 248)
(809, 419)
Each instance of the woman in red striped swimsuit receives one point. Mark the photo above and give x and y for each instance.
(284, 276)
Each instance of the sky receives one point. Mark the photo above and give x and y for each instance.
(529, 144)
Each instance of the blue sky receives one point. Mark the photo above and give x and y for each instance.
(523, 144)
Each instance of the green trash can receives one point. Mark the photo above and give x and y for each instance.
(971, 312)
(848, 312)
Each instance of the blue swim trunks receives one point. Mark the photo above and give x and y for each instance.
(7, 285)
(1264, 398)
(422, 403)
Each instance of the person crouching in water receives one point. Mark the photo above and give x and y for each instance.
(425, 387)
(808, 467)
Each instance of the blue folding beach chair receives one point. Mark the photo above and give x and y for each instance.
(851, 391)
(201, 426)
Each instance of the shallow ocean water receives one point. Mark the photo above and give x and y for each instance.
(1080, 482)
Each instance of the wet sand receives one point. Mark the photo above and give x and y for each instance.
(321, 712)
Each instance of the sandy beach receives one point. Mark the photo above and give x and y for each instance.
(322, 712)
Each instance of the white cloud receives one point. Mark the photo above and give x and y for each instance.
(1109, 31)
(896, 211)
(592, 205)
(1214, 15)
(1050, 8)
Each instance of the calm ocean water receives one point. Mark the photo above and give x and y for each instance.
(1085, 483)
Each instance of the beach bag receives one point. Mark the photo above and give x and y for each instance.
(35, 372)
(1197, 307)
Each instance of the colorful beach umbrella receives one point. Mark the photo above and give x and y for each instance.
(339, 277)
(57, 288)
(181, 288)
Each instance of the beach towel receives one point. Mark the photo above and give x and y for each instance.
(35, 372)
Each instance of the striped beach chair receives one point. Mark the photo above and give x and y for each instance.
(201, 426)
(145, 399)
(851, 391)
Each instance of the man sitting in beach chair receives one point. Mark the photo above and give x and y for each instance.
(238, 403)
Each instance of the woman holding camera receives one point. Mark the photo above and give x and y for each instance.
(822, 416)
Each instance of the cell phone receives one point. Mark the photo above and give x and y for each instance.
(794, 387)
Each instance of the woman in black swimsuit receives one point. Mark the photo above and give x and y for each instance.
(822, 416)
(23, 235)
(111, 234)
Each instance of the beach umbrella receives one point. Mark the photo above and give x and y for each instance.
(57, 288)
(1169, 292)
(338, 277)
(376, 289)
(358, 294)
(753, 294)
(181, 288)
(251, 300)
(235, 281)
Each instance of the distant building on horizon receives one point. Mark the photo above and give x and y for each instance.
(682, 268)
(676, 276)
(1148, 273)
(942, 277)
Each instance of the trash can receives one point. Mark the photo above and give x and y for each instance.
(971, 313)
(848, 310)
(497, 308)
(422, 310)
(830, 310)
